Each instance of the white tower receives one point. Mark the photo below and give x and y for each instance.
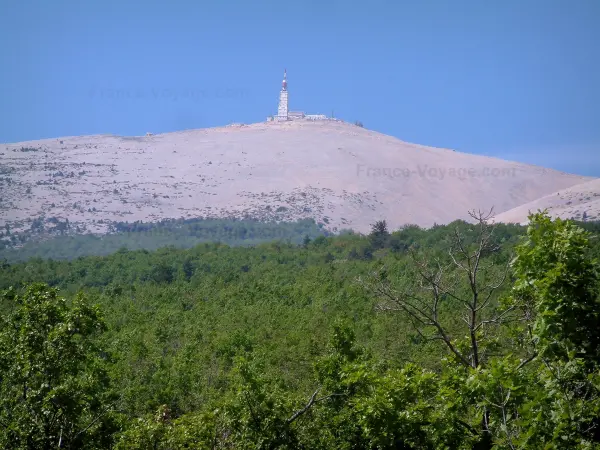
(282, 110)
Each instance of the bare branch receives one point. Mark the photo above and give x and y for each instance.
(298, 413)
(437, 281)
(96, 419)
(310, 403)
(527, 361)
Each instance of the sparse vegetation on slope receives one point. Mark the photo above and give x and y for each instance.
(339, 174)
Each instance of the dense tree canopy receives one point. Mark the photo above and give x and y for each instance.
(53, 383)
(460, 336)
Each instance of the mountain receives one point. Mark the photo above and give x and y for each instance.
(342, 175)
(581, 202)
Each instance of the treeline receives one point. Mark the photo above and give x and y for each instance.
(461, 336)
(51, 238)
(170, 263)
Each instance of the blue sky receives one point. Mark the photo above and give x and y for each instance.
(517, 79)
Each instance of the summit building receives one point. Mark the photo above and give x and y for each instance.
(283, 112)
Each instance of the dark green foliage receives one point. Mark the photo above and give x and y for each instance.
(161, 273)
(306, 241)
(379, 234)
(51, 238)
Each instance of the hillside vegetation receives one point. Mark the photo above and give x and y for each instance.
(59, 240)
(459, 336)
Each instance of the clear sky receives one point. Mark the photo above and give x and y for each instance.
(517, 79)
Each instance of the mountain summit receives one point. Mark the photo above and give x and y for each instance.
(342, 175)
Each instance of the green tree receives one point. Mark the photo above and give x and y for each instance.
(306, 241)
(558, 288)
(53, 384)
(162, 273)
(364, 404)
(550, 397)
(379, 235)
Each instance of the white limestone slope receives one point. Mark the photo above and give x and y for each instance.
(337, 173)
(580, 202)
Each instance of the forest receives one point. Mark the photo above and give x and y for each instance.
(471, 335)
(52, 238)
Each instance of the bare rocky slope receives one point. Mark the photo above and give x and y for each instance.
(337, 173)
(581, 202)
